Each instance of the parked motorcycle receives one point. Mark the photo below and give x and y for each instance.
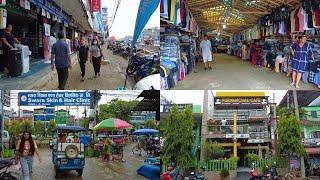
(5, 174)
(194, 176)
(255, 175)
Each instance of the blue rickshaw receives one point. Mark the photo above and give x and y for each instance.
(68, 152)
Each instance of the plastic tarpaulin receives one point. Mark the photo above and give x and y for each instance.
(146, 9)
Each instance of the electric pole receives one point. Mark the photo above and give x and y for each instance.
(296, 110)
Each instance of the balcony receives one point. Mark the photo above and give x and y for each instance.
(311, 142)
(242, 115)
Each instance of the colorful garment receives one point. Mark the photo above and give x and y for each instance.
(300, 58)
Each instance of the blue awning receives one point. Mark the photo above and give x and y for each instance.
(53, 10)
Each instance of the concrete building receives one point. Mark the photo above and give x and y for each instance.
(238, 121)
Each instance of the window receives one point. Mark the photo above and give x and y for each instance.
(314, 114)
(316, 134)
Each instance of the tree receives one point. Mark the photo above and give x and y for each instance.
(213, 151)
(179, 138)
(84, 122)
(117, 109)
(150, 124)
(51, 127)
(289, 134)
(39, 128)
(26, 126)
(15, 128)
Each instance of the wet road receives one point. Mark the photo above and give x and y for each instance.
(95, 168)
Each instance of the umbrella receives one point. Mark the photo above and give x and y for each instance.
(145, 132)
(112, 123)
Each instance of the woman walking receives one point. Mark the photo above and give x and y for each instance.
(96, 55)
(302, 53)
(25, 150)
(83, 52)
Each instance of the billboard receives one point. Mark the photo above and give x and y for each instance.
(95, 5)
(166, 108)
(240, 100)
(59, 98)
(61, 117)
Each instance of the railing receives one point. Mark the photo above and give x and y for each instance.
(216, 165)
(279, 162)
(228, 129)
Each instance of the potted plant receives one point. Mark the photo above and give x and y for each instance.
(224, 174)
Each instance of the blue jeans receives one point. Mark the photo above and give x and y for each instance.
(26, 165)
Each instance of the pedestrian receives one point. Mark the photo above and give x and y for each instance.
(25, 150)
(60, 58)
(96, 55)
(83, 52)
(52, 41)
(206, 50)
(107, 149)
(302, 53)
(8, 40)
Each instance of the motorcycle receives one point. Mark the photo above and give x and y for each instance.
(255, 175)
(141, 67)
(194, 176)
(5, 174)
(272, 173)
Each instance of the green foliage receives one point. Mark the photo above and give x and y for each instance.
(15, 128)
(224, 173)
(151, 124)
(52, 126)
(234, 159)
(252, 157)
(39, 128)
(90, 152)
(96, 154)
(265, 168)
(27, 126)
(179, 140)
(289, 134)
(84, 122)
(213, 151)
(117, 109)
(136, 126)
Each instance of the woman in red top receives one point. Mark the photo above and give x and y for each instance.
(25, 150)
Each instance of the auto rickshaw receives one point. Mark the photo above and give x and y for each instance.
(68, 153)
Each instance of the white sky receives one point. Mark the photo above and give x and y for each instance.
(196, 96)
(125, 20)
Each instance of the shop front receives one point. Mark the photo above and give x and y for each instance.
(259, 33)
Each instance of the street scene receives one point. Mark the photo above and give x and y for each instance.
(96, 134)
(240, 44)
(85, 44)
(240, 135)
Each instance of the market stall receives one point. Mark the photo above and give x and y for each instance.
(257, 31)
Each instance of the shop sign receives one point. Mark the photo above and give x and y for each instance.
(2, 2)
(54, 18)
(237, 136)
(240, 100)
(167, 107)
(48, 15)
(43, 12)
(255, 141)
(311, 142)
(294, 162)
(95, 5)
(3, 18)
(61, 117)
(46, 29)
(25, 4)
(66, 98)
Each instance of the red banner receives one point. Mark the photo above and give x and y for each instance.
(95, 5)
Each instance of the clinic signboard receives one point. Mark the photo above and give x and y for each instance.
(166, 108)
(59, 98)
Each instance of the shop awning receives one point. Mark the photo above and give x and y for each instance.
(237, 15)
(77, 10)
(313, 150)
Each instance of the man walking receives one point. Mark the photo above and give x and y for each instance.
(60, 58)
(83, 52)
(206, 50)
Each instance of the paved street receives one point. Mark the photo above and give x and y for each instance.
(230, 72)
(95, 168)
(41, 76)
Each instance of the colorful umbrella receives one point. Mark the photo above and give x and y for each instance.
(112, 123)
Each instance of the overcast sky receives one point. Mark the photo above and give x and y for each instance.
(196, 96)
(126, 17)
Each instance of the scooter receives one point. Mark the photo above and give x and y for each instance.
(194, 176)
(141, 67)
(273, 173)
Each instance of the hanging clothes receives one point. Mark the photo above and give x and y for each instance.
(292, 20)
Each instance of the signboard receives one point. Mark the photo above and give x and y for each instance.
(294, 162)
(61, 117)
(65, 98)
(167, 107)
(255, 141)
(311, 142)
(46, 29)
(240, 100)
(146, 9)
(238, 136)
(95, 5)
(6, 99)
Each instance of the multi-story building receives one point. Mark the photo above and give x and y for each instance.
(238, 121)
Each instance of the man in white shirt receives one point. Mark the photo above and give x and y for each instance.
(52, 41)
(206, 50)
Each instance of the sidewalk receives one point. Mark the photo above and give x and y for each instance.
(39, 72)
